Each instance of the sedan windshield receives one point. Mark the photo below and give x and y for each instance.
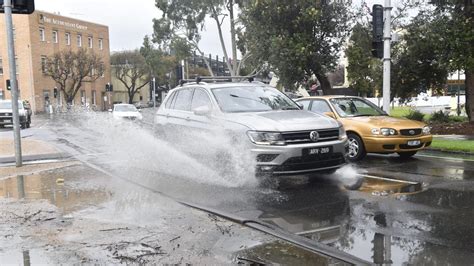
(252, 99)
(8, 105)
(351, 107)
(125, 108)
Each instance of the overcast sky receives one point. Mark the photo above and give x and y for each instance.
(128, 20)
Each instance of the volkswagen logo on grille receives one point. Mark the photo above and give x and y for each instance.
(411, 131)
(314, 136)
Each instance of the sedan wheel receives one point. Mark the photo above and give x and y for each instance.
(356, 148)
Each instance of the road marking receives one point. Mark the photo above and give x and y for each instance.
(388, 179)
(442, 157)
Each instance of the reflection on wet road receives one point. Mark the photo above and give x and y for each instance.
(430, 227)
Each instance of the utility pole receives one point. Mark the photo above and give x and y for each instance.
(7, 6)
(387, 37)
(154, 92)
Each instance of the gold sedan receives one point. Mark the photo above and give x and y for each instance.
(369, 129)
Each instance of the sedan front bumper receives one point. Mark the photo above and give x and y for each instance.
(396, 144)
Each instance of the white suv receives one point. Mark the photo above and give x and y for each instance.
(281, 138)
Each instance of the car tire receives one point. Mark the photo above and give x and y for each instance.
(356, 148)
(23, 125)
(406, 154)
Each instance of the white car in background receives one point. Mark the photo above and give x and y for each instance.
(126, 111)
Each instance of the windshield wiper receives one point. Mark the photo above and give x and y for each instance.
(290, 108)
(362, 115)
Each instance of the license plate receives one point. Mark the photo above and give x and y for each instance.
(413, 143)
(6, 120)
(317, 152)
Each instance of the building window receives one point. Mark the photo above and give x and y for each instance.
(83, 97)
(43, 64)
(1, 66)
(55, 36)
(79, 40)
(102, 70)
(89, 41)
(41, 32)
(68, 38)
(101, 44)
(93, 98)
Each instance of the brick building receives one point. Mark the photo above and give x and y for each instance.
(40, 35)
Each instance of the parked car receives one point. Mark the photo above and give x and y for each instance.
(6, 113)
(282, 138)
(369, 129)
(126, 111)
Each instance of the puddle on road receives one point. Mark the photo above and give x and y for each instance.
(281, 253)
(70, 189)
(380, 186)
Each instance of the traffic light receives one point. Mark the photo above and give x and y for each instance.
(109, 87)
(55, 92)
(377, 31)
(9, 86)
(20, 6)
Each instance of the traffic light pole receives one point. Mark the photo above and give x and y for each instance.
(7, 5)
(387, 36)
(154, 92)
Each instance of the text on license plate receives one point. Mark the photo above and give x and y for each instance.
(318, 151)
(413, 143)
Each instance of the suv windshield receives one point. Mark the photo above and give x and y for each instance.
(350, 107)
(125, 108)
(252, 99)
(8, 105)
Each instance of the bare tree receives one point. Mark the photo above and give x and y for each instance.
(130, 68)
(69, 69)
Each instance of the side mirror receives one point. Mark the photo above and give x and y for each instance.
(330, 114)
(202, 110)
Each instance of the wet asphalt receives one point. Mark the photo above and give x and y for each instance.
(431, 227)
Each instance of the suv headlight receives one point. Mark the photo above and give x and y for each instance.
(266, 138)
(426, 130)
(342, 131)
(384, 131)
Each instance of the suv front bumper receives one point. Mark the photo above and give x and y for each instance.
(291, 160)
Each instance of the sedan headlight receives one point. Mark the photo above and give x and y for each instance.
(426, 130)
(384, 131)
(266, 138)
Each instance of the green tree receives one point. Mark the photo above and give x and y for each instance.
(363, 70)
(183, 20)
(160, 64)
(69, 69)
(298, 39)
(416, 64)
(130, 68)
(452, 27)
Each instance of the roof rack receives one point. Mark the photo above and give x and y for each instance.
(200, 79)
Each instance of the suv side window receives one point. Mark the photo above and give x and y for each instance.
(170, 100)
(183, 100)
(200, 98)
(305, 104)
(320, 106)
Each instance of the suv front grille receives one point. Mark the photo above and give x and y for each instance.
(410, 132)
(299, 163)
(299, 137)
(6, 114)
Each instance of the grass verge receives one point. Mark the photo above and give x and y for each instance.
(453, 145)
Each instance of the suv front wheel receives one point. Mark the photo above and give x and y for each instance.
(356, 148)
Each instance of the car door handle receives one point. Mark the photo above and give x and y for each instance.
(188, 118)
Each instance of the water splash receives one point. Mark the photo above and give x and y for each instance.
(213, 157)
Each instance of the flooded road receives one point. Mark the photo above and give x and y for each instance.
(426, 220)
